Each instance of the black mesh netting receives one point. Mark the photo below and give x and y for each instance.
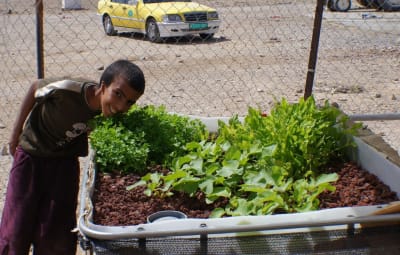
(382, 240)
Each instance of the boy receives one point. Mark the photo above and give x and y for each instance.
(49, 135)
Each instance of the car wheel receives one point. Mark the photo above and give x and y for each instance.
(152, 31)
(387, 5)
(331, 5)
(108, 26)
(368, 3)
(206, 36)
(342, 5)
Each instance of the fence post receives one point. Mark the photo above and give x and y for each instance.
(39, 38)
(314, 48)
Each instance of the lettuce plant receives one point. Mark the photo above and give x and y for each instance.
(264, 164)
(142, 137)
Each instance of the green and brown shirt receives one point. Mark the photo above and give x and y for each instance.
(58, 123)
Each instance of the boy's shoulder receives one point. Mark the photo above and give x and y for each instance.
(63, 81)
(48, 85)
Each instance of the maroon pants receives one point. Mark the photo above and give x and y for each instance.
(40, 206)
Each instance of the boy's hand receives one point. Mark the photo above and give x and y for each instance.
(12, 146)
(26, 107)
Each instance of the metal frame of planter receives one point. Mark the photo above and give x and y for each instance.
(344, 219)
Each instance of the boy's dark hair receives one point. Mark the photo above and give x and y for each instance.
(128, 70)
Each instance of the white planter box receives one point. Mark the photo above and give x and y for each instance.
(378, 160)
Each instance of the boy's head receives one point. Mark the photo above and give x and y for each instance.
(127, 70)
(121, 85)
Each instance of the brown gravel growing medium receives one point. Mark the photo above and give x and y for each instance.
(115, 206)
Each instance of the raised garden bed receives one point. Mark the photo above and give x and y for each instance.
(376, 158)
(366, 183)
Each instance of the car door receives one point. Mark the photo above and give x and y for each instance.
(115, 11)
(128, 14)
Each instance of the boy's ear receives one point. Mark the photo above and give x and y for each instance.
(102, 85)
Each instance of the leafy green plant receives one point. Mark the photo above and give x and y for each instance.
(263, 164)
(306, 136)
(142, 137)
(165, 132)
(118, 149)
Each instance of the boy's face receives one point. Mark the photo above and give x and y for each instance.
(118, 97)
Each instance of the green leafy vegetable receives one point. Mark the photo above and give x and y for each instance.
(265, 163)
(118, 148)
(142, 137)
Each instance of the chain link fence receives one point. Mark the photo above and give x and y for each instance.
(259, 56)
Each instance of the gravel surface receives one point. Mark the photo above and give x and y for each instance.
(115, 206)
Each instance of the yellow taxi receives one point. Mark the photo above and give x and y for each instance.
(158, 19)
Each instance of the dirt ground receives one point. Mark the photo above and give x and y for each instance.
(260, 54)
(242, 75)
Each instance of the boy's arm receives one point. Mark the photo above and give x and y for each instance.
(25, 109)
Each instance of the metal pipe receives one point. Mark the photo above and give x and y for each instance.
(190, 227)
(371, 117)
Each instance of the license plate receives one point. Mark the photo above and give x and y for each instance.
(198, 26)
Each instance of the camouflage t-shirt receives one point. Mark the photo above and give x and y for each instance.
(58, 123)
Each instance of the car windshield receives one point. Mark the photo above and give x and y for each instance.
(163, 1)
